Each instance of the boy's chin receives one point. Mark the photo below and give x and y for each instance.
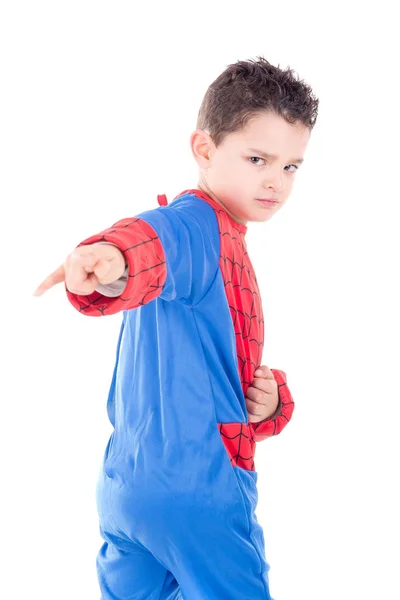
(260, 217)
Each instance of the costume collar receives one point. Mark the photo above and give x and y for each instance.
(203, 196)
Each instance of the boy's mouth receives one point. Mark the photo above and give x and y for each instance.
(267, 201)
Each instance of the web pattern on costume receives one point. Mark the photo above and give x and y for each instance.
(244, 299)
(146, 278)
(147, 270)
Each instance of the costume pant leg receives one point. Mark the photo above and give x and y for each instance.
(207, 546)
(132, 573)
(193, 517)
(212, 541)
(225, 558)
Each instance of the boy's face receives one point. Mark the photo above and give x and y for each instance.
(237, 175)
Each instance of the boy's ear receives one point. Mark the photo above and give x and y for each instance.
(202, 146)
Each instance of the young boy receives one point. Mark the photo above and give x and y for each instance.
(189, 400)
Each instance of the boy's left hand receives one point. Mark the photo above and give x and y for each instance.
(262, 397)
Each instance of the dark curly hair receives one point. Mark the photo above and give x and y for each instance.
(248, 88)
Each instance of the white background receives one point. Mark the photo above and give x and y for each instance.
(98, 100)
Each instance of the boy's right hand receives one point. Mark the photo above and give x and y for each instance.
(85, 268)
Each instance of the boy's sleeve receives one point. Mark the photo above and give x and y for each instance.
(114, 289)
(278, 421)
(170, 254)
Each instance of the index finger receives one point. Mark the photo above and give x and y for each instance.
(57, 276)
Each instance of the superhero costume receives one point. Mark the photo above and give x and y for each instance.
(177, 494)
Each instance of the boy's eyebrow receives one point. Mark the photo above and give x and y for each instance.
(273, 156)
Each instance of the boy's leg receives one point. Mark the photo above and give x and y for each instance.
(222, 551)
(230, 567)
(132, 573)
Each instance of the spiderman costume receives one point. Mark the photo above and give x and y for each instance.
(177, 493)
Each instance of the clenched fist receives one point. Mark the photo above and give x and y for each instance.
(85, 268)
(262, 400)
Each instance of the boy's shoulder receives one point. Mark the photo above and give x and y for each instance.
(187, 219)
(186, 208)
(190, 202)
(199, 203)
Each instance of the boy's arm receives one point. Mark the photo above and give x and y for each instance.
(146, 261)
(278, 421)
(169, 254)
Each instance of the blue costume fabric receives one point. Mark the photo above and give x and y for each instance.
(177, 492)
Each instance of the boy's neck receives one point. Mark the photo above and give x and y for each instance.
(204, 188)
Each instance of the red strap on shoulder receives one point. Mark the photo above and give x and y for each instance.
(162, 200)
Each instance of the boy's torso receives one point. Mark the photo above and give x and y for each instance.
(182, 372)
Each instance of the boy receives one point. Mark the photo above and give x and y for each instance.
(177, 494)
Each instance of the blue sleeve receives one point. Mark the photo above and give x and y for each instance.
(188, 231)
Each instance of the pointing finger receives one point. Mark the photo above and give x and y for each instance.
(57, 276)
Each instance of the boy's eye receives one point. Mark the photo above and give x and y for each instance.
(256, 158)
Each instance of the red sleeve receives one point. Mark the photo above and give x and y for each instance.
(146, 260)
(274, 425)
